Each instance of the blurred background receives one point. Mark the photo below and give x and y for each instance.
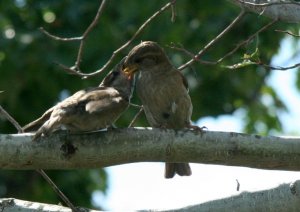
(251, 99)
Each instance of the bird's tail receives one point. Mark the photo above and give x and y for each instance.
(182, 169)
(36, 124)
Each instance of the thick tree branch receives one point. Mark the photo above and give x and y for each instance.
(287, 11)
(285, 197)
(121, 146)
(11, 204)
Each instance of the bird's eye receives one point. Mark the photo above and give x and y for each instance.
(115, 74)
(139, 60)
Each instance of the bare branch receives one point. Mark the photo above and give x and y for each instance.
(268, 3)
(76, 68)
(279, 68)
(173, 9)
(12, 204)
(212, 42)
(287, 32)
(287, 11)
(11, 119)
(120, 146)
(140, 29)
(245, 42)
(40, 171)
(284, 197)
(136, 116)
(180, 47)
(57, 190)
(87, 31)
(59, 38)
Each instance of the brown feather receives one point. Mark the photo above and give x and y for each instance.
(163, 91)
(89, 109)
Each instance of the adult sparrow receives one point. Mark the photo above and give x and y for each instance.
(89, 109)
(163, 91)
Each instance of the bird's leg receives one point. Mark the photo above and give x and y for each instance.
(163, 127)
(196, 128)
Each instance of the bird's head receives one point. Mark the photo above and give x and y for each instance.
(119, 79)
(147, 56)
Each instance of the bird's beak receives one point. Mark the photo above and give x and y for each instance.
(130, 70)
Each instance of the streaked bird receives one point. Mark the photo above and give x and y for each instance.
(88, 109)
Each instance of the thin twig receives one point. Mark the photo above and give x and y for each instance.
(76, 68)
(135, 117)
(287, 32)
(40, 171)
(237, 185)
(247, 40)
(268, 4)
(173, 10)
(217, 38)
(280, 68)
(11, 119)
(195, 58)
(180, 47)
(56, 189)
(59, 38)
(87, 31)
(135, 105)
(140, 29)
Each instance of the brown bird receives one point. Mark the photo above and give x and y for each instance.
(89, 109)
(163, 91)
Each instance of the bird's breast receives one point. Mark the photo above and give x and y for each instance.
(165, 100)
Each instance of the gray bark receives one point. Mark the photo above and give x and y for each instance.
(285, 197)
(11, 205)
(287, 11)
(121, 146)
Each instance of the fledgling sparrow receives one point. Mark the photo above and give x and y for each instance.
(89, 109)
(163, 91)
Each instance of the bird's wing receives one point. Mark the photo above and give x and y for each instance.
(69, 104)
(100, 101)
(92, 100)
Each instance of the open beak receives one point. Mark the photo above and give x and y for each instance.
(130, 70)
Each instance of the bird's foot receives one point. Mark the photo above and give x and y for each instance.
(163, 127)
(197, 128)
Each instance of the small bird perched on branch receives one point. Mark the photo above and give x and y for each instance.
(89, 109)
(163, 91)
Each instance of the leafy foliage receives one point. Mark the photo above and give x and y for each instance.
(32, 82)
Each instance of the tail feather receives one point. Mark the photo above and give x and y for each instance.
(182, 169)
(36, 124)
